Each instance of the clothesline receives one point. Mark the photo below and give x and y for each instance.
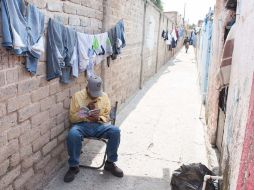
(172, 37)
(68, 52)
(86, 50)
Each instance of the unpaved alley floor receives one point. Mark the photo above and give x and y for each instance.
(161, 130)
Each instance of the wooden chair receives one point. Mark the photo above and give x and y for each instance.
(105, 141)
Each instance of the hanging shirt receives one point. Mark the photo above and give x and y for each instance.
(92, 50)
(169, 40)
(85, 42)
(173, 34)
(163, 34)
(23, 29)
(102, 46)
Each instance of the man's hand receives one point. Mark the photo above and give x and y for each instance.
(93, 118)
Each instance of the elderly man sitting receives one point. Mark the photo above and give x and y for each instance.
(87, 123)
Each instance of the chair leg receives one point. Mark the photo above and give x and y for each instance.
(103, 161)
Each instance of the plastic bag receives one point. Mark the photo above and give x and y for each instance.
(191, 177)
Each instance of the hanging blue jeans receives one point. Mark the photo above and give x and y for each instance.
(23, 31)
(61, 44)
(89, 129)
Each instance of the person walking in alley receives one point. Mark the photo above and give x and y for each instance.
(186, 43)
(89, 115)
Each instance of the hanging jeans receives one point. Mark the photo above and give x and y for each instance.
(62, 54)
(117, 38)
(23, 31)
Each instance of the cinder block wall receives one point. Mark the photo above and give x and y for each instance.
(237, 158)
(221, 16)
(34, 112)
(237, 147)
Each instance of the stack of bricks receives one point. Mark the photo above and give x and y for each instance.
(34, 112)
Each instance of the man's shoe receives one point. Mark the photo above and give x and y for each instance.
(70, 175)
(111, 167)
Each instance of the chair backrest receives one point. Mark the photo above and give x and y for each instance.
(113, 113)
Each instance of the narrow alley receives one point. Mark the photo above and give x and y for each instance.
(179, 73)
(161, 130)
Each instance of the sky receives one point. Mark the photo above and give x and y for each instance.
(195, 9)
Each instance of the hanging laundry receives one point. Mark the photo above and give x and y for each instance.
(181, 32)
(23, 31)
(177, 34)
(92, 50)
(62, 52)
(85, 51)
(173, 43)
(117, 38)
(169, 39)
(91, 63)
(174, 38)
(102, 47)
(173, 34)
(166, 36)
(163, 34)
(169, 42)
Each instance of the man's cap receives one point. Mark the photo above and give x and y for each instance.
(94, 86)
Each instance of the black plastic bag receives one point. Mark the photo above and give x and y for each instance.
(191, 177)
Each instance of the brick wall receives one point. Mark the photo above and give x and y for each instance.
(34, 112)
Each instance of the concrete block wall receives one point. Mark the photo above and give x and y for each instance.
(246, 164)
(34, 112)
(150, 42)
(237, 147)
(221, 16)
(122, 78)
(237, 158)
(163, 53)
